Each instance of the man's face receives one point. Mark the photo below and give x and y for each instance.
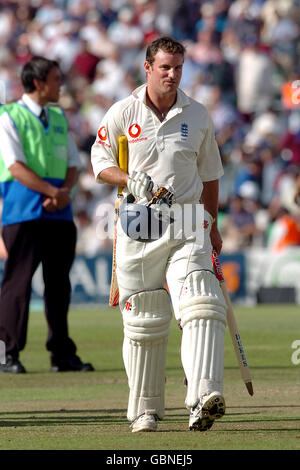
(164, 75)
(50, 88)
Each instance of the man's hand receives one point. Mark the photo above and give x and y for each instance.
(62, 199)
(59, 201)
(209, 198)
(48, 204)
(215, 238)
(139, 184)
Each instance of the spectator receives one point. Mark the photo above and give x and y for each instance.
(285, 186)
(239, 227)
(107, 12)
(283, 32)
(206, 51)
(126, 36)
(94, 32)
(289, 144)
(48, 13)
(284, 232)
(230, 46)
(244, 17)
(85, 62)
(245, 49)
(251, 195)
(267, 127)
(110, 77)
(271, 169)
(185, 18)
(249, 170)
(209, 20)
(224, 116)
(64, 39)
(254, 80)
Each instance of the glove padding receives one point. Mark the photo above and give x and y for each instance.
(139, 184)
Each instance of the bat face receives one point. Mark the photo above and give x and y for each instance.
(114, 288)
(232, 326)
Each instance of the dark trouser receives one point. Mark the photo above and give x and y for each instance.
(52, 243)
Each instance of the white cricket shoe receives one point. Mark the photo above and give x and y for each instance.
(209, 408)
(145, 423)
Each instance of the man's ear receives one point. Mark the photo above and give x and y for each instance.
(147, 66)
(37, 83)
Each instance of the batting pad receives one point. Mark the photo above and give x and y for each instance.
(203, 320)
(146, 319)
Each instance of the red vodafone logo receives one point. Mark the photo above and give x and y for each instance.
(134, 130)
(102, 133)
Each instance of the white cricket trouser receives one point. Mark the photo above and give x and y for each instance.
(142, 270)
(148, 266)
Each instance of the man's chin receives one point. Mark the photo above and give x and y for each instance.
(170, 88)
(171, 85)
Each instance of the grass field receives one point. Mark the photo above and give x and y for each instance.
(67, 411)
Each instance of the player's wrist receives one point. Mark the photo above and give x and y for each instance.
(125, 180)
(52, 192)
(69, 190)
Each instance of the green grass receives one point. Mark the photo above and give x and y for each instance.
(46, 411)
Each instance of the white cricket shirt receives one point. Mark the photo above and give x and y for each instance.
(181, 151)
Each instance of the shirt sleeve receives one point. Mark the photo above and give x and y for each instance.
(104, 152)
(73, 154)
(209, 160)
(11, 148)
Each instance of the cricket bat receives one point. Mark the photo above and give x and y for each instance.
(233, 328)
(123, 164)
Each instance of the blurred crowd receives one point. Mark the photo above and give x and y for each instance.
(242, 62)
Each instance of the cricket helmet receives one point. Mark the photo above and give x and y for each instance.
(143, 223)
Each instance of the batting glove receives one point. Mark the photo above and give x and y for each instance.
(139, 184)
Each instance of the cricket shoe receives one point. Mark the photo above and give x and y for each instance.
(145, 423)
(209, 408)
(12, 366)
(70, 364)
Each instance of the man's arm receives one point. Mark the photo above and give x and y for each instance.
(74, 164)
(210, 200)
(113, 175)
(51, 204)
(71, 178)
(31, 180)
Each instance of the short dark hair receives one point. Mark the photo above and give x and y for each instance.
(37, 67)
(166, 44)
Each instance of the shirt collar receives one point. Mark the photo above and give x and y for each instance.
(182, 98)
(33, 106)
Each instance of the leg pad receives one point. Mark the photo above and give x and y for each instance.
(146, 319)
(203, 321)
